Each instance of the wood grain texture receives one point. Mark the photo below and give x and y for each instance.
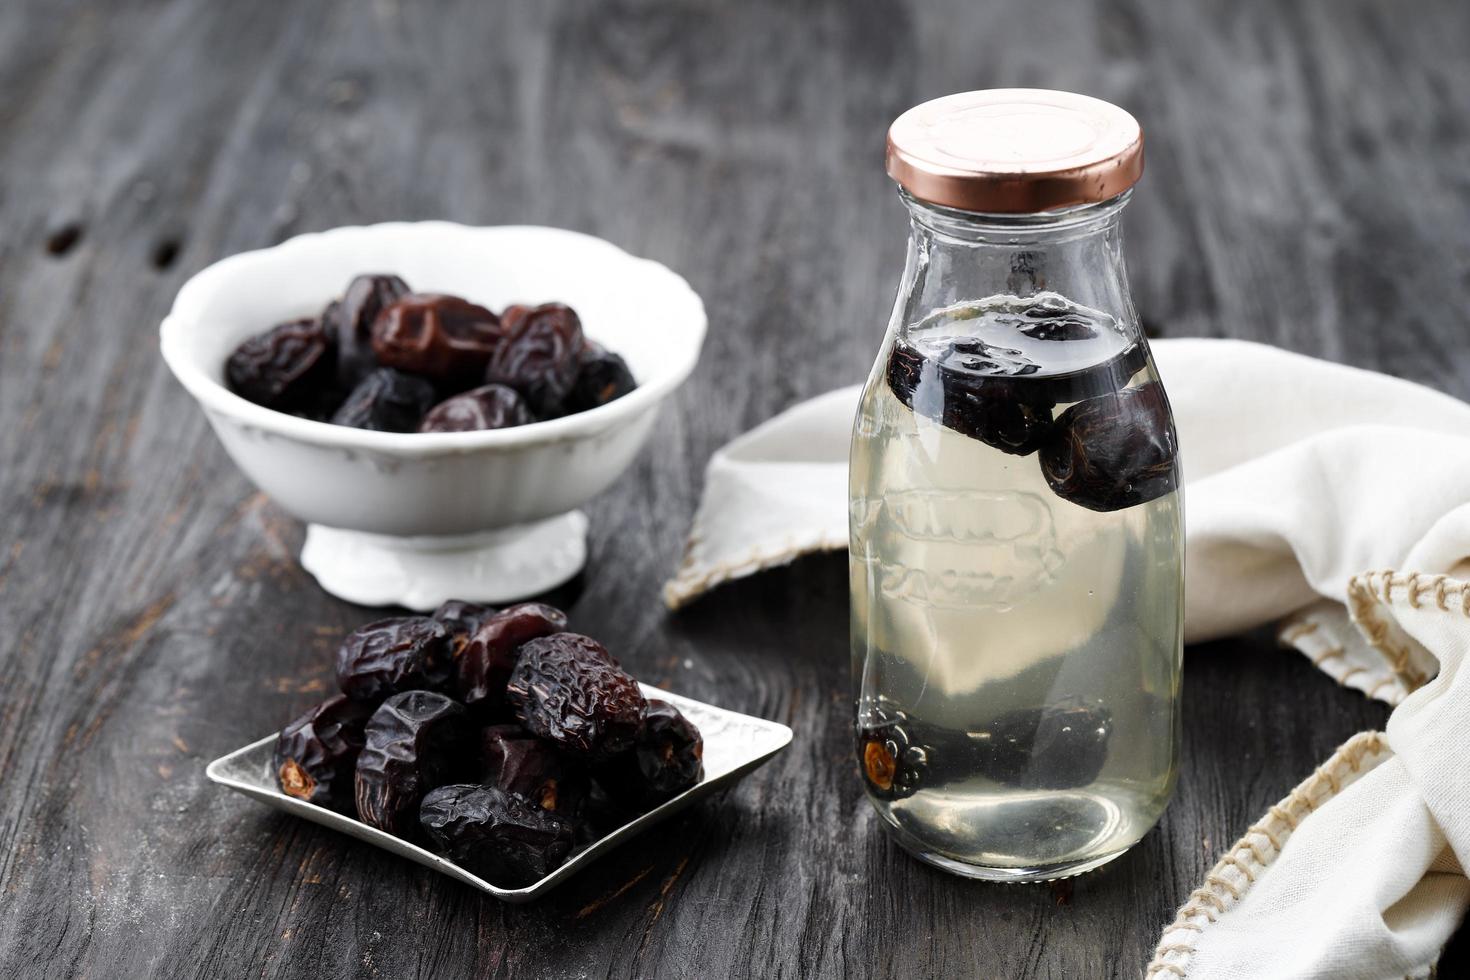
(1305, 187)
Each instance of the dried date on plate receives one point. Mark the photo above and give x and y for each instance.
(666, 760)
(403, 653)
(894, 762)
(443, 338)
(1060, 746)
(386, 401)
(283, 367)
(486, 407)
(569, 689)
(602, 376)
(497, 836)
(316, 755)
(350, 322)
(540, 355)
(415, 742)
(483, 667)
(1113, 451)
(461, 619)
(518, 762)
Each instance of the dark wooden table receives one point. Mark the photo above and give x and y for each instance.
(1306, 186)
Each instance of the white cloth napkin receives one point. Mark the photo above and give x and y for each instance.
(1304, 479)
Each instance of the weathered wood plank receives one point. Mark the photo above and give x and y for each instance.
(1305, 187)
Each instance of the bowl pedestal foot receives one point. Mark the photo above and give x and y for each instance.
(420, 572)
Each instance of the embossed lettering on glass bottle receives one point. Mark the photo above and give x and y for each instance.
(1016, 544)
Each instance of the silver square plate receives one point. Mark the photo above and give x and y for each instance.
(734, 744)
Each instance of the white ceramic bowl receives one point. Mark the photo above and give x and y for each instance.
(412, 518)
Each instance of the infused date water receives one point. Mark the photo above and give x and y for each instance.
(1015, 551)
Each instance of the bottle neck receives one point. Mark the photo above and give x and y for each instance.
(960, 256)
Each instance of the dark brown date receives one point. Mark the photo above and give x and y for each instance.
(386, 401)
(540, 355)
(1060, 746)
(500, 837)
(350, 322)
(443, 338)
(666, 760)
(893, 760)
(415, 742)
(602, 376)
(1010, 416)
(284, 367)
(404, 653)
(484, 666)
(569, 689)
(316, 755)
(461, 619)
(518, 762)
(486, 407)
(1113, 451)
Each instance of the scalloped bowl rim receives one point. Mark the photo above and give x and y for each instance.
(213, 395)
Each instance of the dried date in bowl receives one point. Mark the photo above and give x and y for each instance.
(283, 368)
(486, 407)
(540, 356)
(446, 339)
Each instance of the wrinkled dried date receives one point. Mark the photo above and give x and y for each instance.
(483, 667)
(540, 355)
(487, 407)
(666, 760)
(1059, 746)
(413, 743)
(894, 762)
(1113, 451)
(602, 376)
(518, 762)
(569, 689)
(404, 653)
(283, 367)
(386, 401)
(1005, 414)
(500, 837)
(316, 755)
(461, 619)
(443, 338)
(350, 322)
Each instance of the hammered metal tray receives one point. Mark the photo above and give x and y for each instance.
(734, 744)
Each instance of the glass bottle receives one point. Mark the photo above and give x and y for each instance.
(1016, 527)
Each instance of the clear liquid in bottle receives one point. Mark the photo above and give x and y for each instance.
(1016, 553)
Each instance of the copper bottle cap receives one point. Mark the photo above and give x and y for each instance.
(1015, 151)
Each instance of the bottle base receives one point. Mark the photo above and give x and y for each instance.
(1016, 876)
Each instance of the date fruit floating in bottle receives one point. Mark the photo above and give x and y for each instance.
(316, 755)
(350, 322)
(415, 741)
(495, 835)
(517, 762)
(666, 760)
(461, 619)
(284, 367)
(569, 689)
(386, 401)
(486, 407)
(602, 376)
(404, 653)
(893, 762)
(1113, 451)
(1060, 746)
(443, 338)
(540, 355)
(483, 667)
